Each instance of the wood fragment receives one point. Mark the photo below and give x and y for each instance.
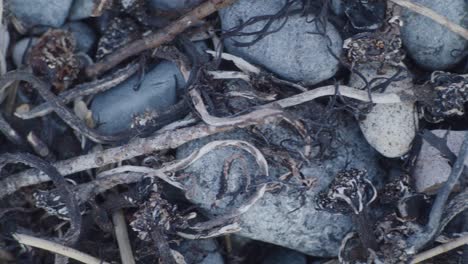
(440, 249)
(57, 248)
(158, 38)
(121, 233)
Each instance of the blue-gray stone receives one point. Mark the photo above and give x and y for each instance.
(293, 52)
(84, 35)
(287, 218)
(19, 50)
(81, 9)
(173, 5)
(41, 12)
(114, 109)
(430, 44)
(203, 251)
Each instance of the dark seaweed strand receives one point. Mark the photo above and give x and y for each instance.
(62, 111)
(237, 31)
(72, 235)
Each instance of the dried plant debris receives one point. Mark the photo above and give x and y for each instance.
(450, 93)
(53, 58)
(120, 31)
(382, 46)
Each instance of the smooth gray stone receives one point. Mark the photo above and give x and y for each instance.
(171, 5)
(114, 109)
(20, 48)
(84, 35)
(203, 251)
(284, 218)
(41, 12)
(81, 9)
(285, 256)
(292, 52)
(431, 44)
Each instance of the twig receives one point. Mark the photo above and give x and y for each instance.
(440, 249)
(158, 38)
(419, 240)
(139, 146)
(57, 248)
(121, 233)
(60, 109)
(68, 198)
(84, 89)
(9, 132)
(434, 16)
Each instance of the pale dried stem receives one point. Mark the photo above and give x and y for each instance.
(121, 234)
(440, 249)
(57, 248)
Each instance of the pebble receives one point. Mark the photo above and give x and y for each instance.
(114, 109)
(285, 256)
(430, 44)
(285, 218)
(19, 56)
(389, 128)
(81, 9)
(432, 169)
(41, 12)
(291, 53)
(84, 35)
(172, 5)
(203, 251)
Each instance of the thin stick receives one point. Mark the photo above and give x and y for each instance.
(174, 138)
(158, 38)
(121, 233)
(419, 240)
(440, 249)
(427, 12)
(57, 248)
(80, 90)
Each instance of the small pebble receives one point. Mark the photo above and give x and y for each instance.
(19, 56)
(432, 169)
(114, 109)
(292, 52)
(389, 128)
(41, 12)
(430, 44)
(84, 35)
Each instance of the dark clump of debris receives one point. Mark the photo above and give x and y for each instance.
(233, 131)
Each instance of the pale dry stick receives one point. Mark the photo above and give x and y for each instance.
(440, 249)
(57, 248)
(121, 233)
(240, 63)
(272, 108)
(427, 12)
(158, 38)
(137, 147)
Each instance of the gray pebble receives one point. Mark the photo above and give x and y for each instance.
(430, 44)
(203, 251)
(81, 9)
(114, 109)
(292, 52)
(41, 12)
(19, 56)
(84, 35)
(288, 217)
(285, 256)
(172, 5)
